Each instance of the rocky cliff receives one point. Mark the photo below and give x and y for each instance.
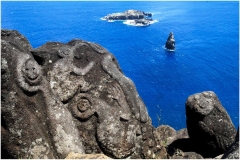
(70, 99)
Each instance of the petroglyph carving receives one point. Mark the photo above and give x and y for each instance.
(83, 71)
(129, 89)
(209, 124)
(82, 102)
(29, 73)
(111, 132)
(97, 48)
(62, 82)
(81, 106)
(66, 78)
(115, 138)
(65, 134)
(63, 52)
(203, 103)
(115, 92)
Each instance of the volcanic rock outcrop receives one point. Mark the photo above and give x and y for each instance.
(133, 17)
(208, 124)
(61, 98)
(170, 43)
(68, 100)
(233, 150)
(128, 15)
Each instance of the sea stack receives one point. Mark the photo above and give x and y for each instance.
(170, 43)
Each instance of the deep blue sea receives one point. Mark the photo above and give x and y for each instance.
(206, 55)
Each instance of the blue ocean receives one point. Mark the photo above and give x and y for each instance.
(206, 56)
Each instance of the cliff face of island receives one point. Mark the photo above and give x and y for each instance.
(72, 100)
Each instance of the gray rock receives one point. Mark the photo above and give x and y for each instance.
(165, 135)
(61, 98)
(179, 154)
(170, 43)
(209, 125)
(182, 134)
(233, 150)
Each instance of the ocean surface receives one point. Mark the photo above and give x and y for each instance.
(206, 56)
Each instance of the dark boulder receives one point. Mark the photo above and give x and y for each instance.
(209, 125)
(182, 144)
(61, 98)
(233, 150)
(170, 43)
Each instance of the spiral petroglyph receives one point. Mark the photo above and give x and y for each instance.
(81, 106)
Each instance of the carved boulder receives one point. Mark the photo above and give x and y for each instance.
(209, 125)
(61, 98)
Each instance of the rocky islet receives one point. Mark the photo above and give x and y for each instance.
(134, 17)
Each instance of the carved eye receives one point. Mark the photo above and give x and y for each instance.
(64, 52)
(78, 55)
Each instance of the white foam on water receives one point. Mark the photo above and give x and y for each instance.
(129, 22)
(104, 19)
(132, 23)
(154, 21)
(111, 21)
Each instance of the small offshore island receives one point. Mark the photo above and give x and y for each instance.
(132, 17)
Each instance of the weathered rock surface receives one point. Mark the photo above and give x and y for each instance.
(73, 155)
(209, 125)
(179, 154)
(181, 147)
(170, 43)
(233, 150)
(61, 98)
(68, 100)
(165, 135)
